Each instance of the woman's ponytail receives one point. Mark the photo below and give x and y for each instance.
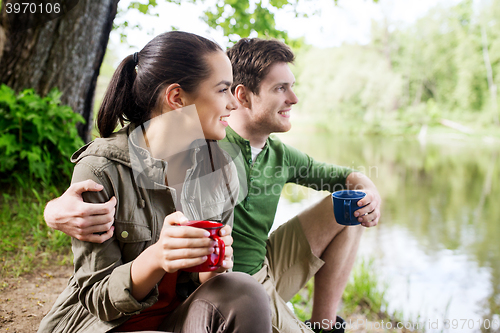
(119, 101)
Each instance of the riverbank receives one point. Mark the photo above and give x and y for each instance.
(444, 129)
(364, 306)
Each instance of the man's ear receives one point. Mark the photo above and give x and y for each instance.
(174, 96)
(242, 94)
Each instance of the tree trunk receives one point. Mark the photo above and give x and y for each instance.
(65, 52)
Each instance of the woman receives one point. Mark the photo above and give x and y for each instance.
(177, 84)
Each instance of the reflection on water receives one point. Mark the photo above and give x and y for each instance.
(437, 245)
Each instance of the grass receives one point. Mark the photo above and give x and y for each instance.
(365, 293)
(27, 243)
(364, 296)
(302, 301)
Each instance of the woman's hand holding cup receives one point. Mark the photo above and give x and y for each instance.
(181, 246)
(225, 235)
(227, 263)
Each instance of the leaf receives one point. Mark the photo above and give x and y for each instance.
(9, 142)
(53, 97)
(144, 8)
(279, 3)
(7, 163)
(7, 96)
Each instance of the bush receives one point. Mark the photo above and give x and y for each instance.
(37, 137)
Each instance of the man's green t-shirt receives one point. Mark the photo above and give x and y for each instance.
(275, 165)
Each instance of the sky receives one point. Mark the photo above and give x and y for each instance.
(327, 25)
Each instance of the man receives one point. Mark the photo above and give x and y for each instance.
(310, 244)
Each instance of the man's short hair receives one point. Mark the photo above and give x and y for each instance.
(252, 59)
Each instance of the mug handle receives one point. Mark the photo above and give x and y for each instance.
(222, 250)
(347, 210)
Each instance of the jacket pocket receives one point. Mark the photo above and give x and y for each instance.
(130, 232)
(133, 239)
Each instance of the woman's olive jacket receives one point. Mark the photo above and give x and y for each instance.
(98, 298)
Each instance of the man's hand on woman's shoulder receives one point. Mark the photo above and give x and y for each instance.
(90, 222)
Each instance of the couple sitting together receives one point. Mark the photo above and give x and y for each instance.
(195, 144)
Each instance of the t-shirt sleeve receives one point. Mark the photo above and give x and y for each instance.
(304, 170)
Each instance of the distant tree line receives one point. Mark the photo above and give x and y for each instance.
(446, 64)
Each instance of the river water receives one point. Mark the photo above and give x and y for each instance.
(437, 245)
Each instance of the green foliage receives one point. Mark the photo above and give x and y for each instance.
(353, 86)
(365, 293)
(442, 58)
(27, 242)
(302, 301)
(236, 18)
(37, 137)
(408, 77)
(244, 18)
(144, 8)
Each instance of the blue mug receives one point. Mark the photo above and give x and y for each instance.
(345, 203)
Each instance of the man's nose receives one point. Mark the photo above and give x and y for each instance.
(292, 98)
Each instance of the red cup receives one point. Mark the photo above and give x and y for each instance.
(214, 260)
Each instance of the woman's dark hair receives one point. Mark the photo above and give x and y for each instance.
(135, 88)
